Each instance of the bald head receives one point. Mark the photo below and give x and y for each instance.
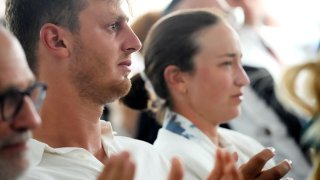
(13, 65)
(14, 129)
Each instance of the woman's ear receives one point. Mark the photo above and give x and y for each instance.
(54, 40)
(175, 79)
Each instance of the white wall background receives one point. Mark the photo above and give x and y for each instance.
(298, 16)
(2, 7)
(289, 12)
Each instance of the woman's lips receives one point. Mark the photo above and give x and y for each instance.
(238, 97)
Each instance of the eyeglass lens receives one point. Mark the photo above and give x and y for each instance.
(10, 104)
(13, 101)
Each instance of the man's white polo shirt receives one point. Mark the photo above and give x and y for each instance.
(77, 163)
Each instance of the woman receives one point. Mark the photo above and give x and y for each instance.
(193, 61)
(309, 104)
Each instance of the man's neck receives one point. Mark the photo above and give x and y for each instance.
(68, 122)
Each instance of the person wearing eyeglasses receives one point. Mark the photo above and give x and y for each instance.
(20, 98)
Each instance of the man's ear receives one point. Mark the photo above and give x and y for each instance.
(54, 39)
(175, 79)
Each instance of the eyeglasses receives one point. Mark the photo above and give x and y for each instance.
(12, 100)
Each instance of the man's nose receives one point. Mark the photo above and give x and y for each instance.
(28, 117)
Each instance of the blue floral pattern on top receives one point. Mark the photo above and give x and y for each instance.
(178, 127)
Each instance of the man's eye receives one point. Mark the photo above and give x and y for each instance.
(115, 26)
(227, 63)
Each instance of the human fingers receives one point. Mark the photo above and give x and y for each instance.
(253, 167)
(231, 172)
(235, 156)
(278, 171)
(118, 167)
(234, 3)
(176, 171)
(128, 171)
(108, 166)
(225, 167)
(217, 171)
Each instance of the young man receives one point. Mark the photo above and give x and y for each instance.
(81, 49)
(19, 95)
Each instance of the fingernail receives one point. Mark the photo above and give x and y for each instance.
(273, 150)
(289, 162)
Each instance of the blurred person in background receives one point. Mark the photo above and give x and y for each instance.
(307, 101)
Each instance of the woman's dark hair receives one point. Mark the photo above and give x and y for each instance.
(138, 97)
(172, 41)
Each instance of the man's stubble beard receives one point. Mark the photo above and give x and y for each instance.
(12, 167)
(118, 91)
(85, 79)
